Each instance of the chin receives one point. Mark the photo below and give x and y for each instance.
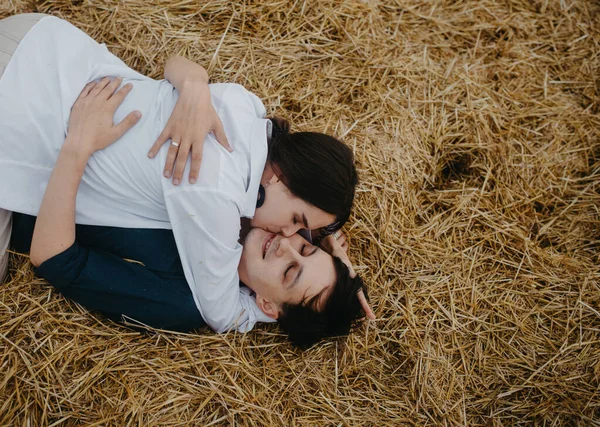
(254, 236)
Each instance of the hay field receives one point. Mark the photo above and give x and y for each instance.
(476, 130)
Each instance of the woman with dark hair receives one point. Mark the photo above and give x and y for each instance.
(282, 181)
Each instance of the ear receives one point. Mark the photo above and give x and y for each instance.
(269, 308)
(268, 174)
(274, 179)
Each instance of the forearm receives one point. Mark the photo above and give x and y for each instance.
(181, 71)
(55, 225)
(91, 128)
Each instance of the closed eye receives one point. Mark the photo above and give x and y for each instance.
(286, 271)
(309, 254)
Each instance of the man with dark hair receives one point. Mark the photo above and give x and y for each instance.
(309, 292)
(313, 320)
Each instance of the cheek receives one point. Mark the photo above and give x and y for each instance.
(262, 218)
(269, 214)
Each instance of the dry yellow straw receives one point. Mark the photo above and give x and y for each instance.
(476, 130)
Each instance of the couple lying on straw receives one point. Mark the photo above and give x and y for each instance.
(77, 126)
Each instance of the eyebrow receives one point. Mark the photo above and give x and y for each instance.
(305, 221)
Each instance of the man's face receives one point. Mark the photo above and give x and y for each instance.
(284, 270)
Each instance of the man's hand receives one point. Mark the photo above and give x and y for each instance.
(91, 123)
(336, 244)
(192, 119)
(91, 128)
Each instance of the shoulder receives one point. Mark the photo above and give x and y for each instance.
(52, 27)
(234, 96)
(209, 201)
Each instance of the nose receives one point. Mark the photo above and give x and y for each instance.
(284, 246)
(290, 230)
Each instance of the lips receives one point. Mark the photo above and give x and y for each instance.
(267, 243)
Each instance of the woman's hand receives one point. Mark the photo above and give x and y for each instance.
(91, 123)
(192, 119)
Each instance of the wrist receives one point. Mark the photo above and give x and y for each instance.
(179, 70)
(194, 80)
(76, 149)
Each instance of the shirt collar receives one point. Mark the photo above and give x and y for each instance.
(258, 159)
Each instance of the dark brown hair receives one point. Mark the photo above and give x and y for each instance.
(306, 325)
(316, 167)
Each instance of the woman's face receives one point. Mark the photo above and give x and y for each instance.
(284, 213)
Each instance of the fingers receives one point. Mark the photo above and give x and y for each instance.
(127, 123)
(331, 243)
(86, 90)
(365, 305)
(105, 86)
(182, 154)
(110, 89)
(341, 239)
(117, 97)
(327, 244)
(196, 161)
(171, 157)
(346, 260)
(99, 86)
(219, 133)
(352, 271)
(162, 138)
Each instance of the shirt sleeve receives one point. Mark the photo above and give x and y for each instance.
(120, 289)
(206, 226)
(66, 267)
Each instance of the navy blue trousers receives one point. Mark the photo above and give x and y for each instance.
(95, 272)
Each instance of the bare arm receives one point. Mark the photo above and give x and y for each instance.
(181, 71)
(55, 226)
(91, 128)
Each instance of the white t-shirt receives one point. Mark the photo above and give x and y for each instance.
(121, 187)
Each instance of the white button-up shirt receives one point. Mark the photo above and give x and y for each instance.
(121, 187)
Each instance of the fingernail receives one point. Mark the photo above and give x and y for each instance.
(150, 154)
(192, 180)
(175, 181)
(230, 149)
(167, 174)
(137, 114)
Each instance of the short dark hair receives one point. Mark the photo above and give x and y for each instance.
(316, 167)
(305, 324)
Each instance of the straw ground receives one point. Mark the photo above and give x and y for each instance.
(476, 132)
